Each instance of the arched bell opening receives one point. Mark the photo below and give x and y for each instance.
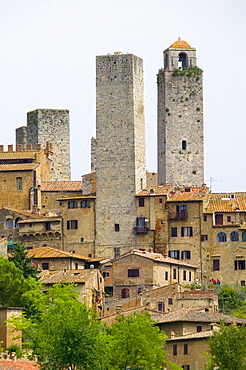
(182, 62)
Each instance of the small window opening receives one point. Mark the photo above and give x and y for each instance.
(183, 144)
(117, 227)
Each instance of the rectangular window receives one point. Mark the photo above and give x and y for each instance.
(116, 252)
(184, 275)
(18, 183)
(174, 232)
(239, 264)
(160, 200)
(105, 274)
(228, 218)
(186, 231)
(198, 328)
(186, 367)
(47, 226)
(117, 227)
(45, 266)
(205, 218)
(174, 274)
(173, 254)
(133, 273)
(204, 237)
(170, 301)
(216, 265)
(189, 275)
(166, 275)
(185, 255)
(183, 144)
(242, 282)
(161, 306)
(72, 224)
(141, 201)
(175, 350)
(185, 348)
(219, 219)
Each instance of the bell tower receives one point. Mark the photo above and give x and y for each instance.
(180, 117)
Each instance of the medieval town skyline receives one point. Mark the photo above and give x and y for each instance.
(48, 59)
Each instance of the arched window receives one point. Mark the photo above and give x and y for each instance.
(73, 204)
(182, 62)
(17, 222)
(244, 236)
(9, 223)
(125, 293)
(234, 236)
(85, 204)
(221, 237)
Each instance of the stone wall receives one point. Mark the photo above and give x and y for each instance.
(52, 125)
(120, 149)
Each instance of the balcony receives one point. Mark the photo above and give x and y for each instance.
(183, 215)
(141, 230)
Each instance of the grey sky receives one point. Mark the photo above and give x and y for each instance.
(48, 50)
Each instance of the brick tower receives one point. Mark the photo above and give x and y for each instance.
(180, 117)
(120, 150)
(52, 125)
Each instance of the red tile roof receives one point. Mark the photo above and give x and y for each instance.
(61, 186)
(226, 202)
(25, 154)
(154, 190)
(19, 364)
(195, 194)
(157, 257)
(69, 276)
(197, 314)
(48, 252)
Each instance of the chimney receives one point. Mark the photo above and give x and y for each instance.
(19, 147)
(10, 148)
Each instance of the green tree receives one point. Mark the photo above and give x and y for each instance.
(136, 343)
(21, 260)
(12, 284)
(227, 348)
(231, 299)
(65, 333)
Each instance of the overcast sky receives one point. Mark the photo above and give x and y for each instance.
(47, 60)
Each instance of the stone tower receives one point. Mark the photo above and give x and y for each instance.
(180, 117)
(52, 125)
(120, 150)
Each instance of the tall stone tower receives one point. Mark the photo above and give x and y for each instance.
(52, 125)
(120, 150)
(180, 117)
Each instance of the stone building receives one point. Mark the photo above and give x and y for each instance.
(180, 117)
(49, 125)
(20, 173)
(188, 330)
(7, 336)
(50, 191)
(120, 150)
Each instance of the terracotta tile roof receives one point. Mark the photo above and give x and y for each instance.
(69, 276)
(18, 167)
(19, 364)
(196, 194)
(25, 212)
(154, 190)
(157, 257)
(225, 202)
(201, 334)
(42, 219)
(195, 314)
(61, 186)
(25, 154)
(48, 252)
